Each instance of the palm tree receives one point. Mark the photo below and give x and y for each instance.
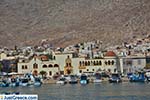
(43, 73)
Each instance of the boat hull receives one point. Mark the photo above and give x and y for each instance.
(83, 82)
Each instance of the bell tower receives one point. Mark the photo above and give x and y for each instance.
(68, 69)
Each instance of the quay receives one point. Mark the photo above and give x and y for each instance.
(104, 80)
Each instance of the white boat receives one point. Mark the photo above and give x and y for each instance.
(73, 80)
(37, 82)
(97, 81)
(97, 78)
(24, 82)
(34, 81)
(61, 81)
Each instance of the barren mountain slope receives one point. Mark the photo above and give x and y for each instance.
(65, 22)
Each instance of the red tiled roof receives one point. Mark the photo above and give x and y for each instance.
(110, 53)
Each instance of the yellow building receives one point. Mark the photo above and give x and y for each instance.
(66, 64)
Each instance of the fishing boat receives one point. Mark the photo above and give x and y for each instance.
(14, 82)
(61, 81)
(4, 84)
(73, 80)
(115, 78)
(137, 77)
(147, 76)
(97, 78)
(37, 82)
(83, 79)
(24, 82)
(33, 81)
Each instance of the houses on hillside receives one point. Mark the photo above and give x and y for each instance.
(77, 59)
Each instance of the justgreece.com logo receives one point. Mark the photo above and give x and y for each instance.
(1, 97)
(18, 97)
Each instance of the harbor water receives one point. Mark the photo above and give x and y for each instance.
(102, 91)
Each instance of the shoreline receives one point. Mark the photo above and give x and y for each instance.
(104, 80)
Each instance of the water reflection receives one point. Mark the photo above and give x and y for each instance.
(123, 91)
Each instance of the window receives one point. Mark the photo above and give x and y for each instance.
(50, 73)
(23, 67)
(26, 67)
(91, 62)
(80, 63)
(87, 70)
(109, 70)
(93, 70)
(108, 62)
(97, 63)
(54, 58)
(69, 64)
(112, 62)
(83, 63)
(139, 62)
(94, 63)
(129, 62)
(44, 66)
(80, 71)
(35, 66)
(88, 63)
(115, 70)
(105, 62)
(56, 65)
(50, 65)
(100, 63)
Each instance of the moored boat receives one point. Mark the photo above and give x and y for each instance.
(73, 80)
(115, 78)
(137, 77)
(83, 79)
(37, 82)
(61, 81)
(147, 76)
(24, 82)
(97, 78)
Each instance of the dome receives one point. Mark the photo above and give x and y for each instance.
(110, 53)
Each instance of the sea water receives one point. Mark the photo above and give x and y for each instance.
(102, 91)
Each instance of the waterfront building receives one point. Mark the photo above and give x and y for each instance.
(107, 63)
(133, 63)
(3, 56)
(66, 63)
(147, 62)
(37, 64)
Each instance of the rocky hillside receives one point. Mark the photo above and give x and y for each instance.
(63, 22)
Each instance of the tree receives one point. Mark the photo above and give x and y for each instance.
(1, 66)
(43, 73)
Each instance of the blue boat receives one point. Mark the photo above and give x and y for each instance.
(37, 82)
(14, 82)
(138, 77)
(4, 84)
(83, 79)
(115, 78)
(24, 82)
